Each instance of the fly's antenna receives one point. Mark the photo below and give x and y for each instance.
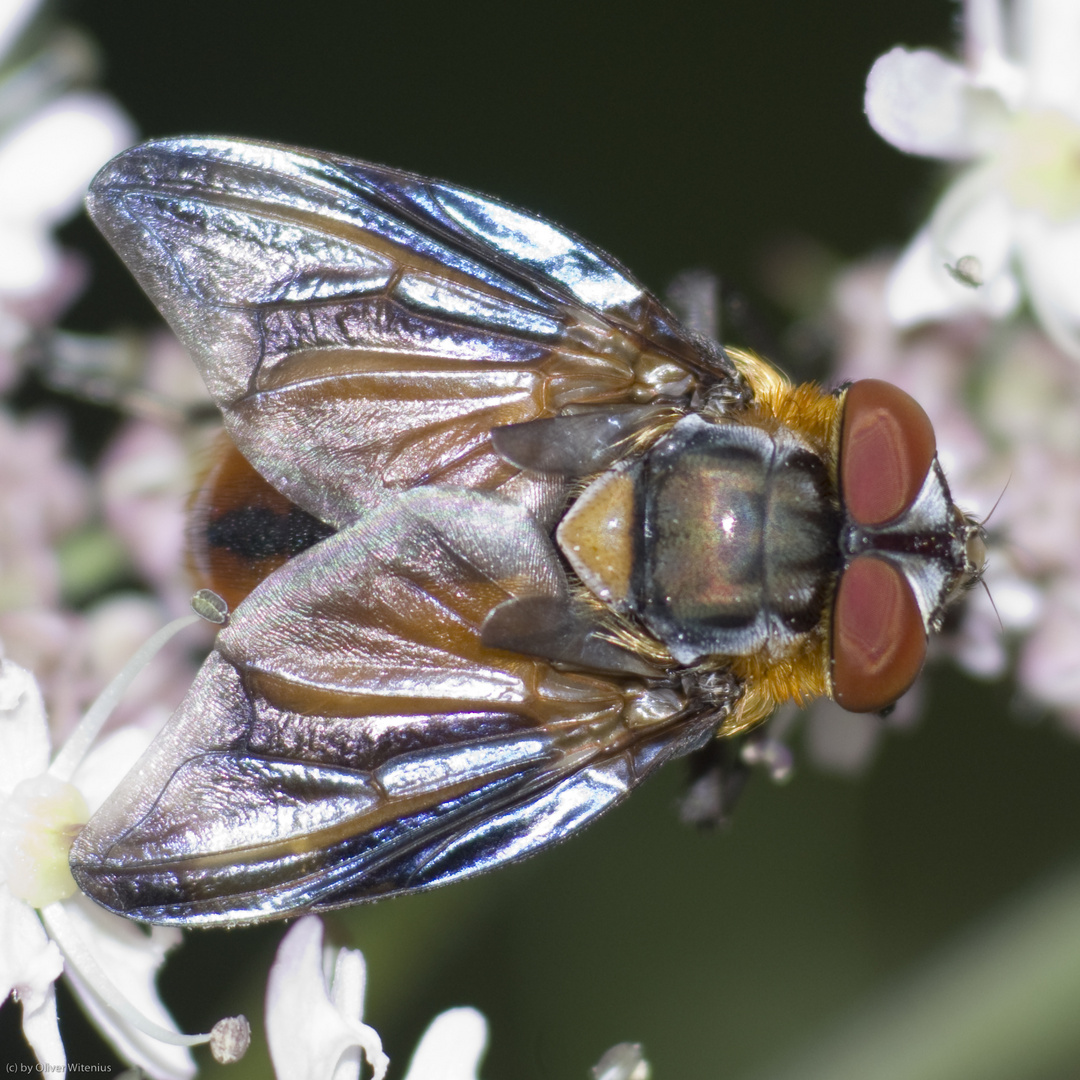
(997, 502)
(982, 533)
(990, 597)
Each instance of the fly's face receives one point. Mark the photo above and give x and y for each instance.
(502, 537)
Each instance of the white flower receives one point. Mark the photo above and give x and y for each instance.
(1011, 218)
(40, 812)
(46, 926)
(314, 1002)
(314, 1005)
(1004, 407)
(52, 141)
(625, 1061)
(451, 1048)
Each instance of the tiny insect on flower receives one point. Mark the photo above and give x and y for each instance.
(501, 535)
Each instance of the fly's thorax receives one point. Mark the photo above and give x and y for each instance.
(722, 539)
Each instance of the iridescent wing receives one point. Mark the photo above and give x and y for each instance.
(358, 731)
(363, 328)
(352, 737)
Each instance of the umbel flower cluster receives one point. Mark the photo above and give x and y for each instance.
(987, 288)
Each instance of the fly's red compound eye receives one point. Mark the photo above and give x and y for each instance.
(886, 449)
(887, 446)
(879, 642)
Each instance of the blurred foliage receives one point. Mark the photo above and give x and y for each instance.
(698, 135)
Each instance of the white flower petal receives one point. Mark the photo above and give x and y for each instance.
(984, 31)
(14, 15)
(24, 732)
(921, 289)
(109, 762)
(1050, 259)
(29, 964)
(984, 48)
(915, 290)
(347, 978)
(132, 957)
(347, 981)
(917, 101)
(1049, 31)
(29, 260)
(451, 1048)
(307, 1033)
(974, 218)
(47, 161)
(42, 1031)
(29, 961)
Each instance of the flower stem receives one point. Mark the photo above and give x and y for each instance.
(82, 738)
(78, 956)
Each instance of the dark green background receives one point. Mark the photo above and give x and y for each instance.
(692, 137)
(674, 140)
